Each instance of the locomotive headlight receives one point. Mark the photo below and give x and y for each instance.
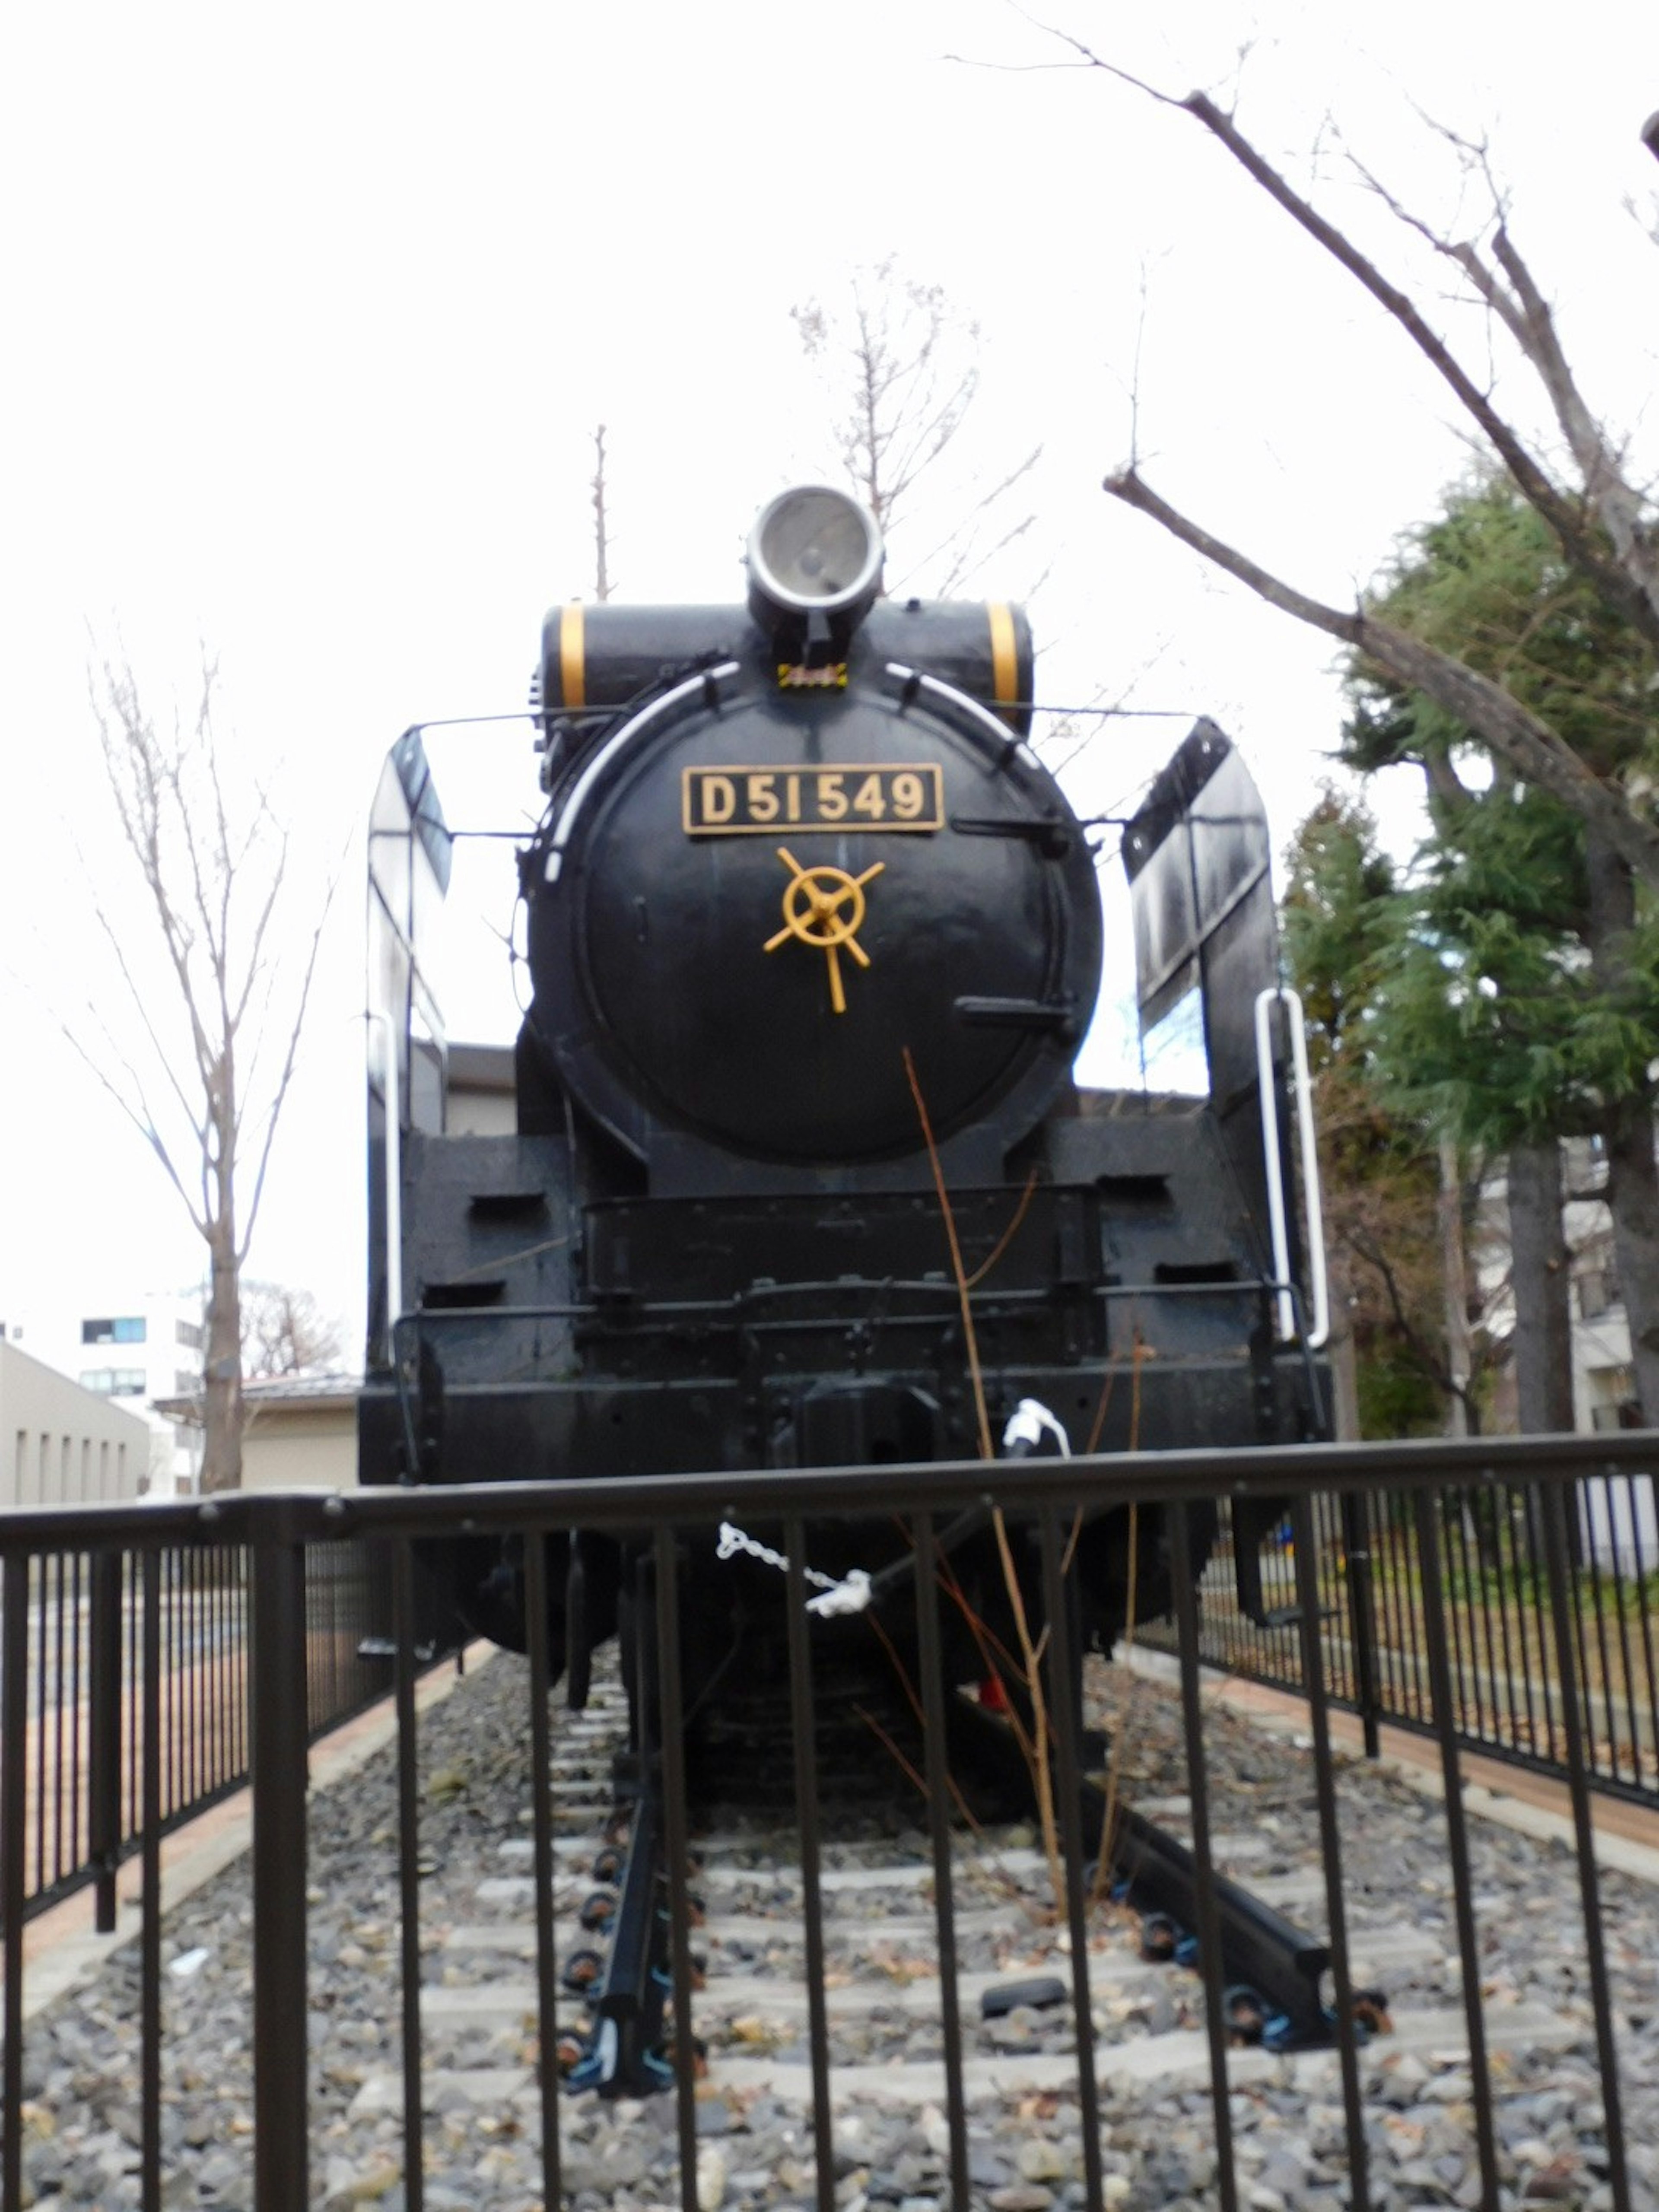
(814, 551)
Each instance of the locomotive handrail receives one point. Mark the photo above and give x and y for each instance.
(1281, 993)
(652, 711)
(394, 1170)
(596, 1308)
(910, 682)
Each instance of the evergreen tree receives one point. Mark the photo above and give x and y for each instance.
(1521, 1003)
(1379, 1161)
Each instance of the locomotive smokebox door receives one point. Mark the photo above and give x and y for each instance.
(815, 847)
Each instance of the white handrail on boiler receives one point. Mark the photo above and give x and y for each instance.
(1320, 1328)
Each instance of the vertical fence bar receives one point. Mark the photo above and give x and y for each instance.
(1644, 1613)
(149, 1946)
(104, 1733)
(1319, 1719)
(1519, 1716)
(1341, 1645)
(1385, 1584)
(14, 1784)
(1529, 1580)
(931, 1661)
(409, 1869)
(1556, 1555)
(1459, 1587)
(244, 1706)
(79, 1839)
(168, 1631)
(1066, 1720)
(65, 1780)
(1362, 1619)
(42, 1612)
(1576, 1592)
(806, 1814)
(677, 1847)
(132, 1672)
(1427, 1503)
(1499, 1699)
(1621, 1631)
(278, 1773)
(196, 1780)
(1590, 1579)
(1208, 1930)
(541, 1820)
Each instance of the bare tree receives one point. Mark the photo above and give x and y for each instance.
(204, 1074)
(902, 369)
(601, 529)
(286, 1331)
(1604, 522)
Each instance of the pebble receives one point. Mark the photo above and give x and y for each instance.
(1040, 2159)
(711, 2176)
(755, 2151)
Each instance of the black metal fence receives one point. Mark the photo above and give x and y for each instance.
(1424, 1497)
(1507, 1686)
(79, 1611)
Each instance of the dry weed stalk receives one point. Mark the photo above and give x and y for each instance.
(1034, 1749)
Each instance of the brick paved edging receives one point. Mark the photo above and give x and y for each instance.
(1627, 1835)
(60, 1953)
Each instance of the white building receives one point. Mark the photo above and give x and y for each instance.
(132, 1349)
(1603, 1377)
(62, 1445)
(1617, 1514)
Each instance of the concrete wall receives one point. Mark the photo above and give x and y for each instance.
(62, 1445)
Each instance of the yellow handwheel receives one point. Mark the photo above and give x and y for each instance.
(813, 901)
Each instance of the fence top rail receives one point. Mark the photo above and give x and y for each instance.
(302, 1517)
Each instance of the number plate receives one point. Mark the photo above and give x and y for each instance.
(751, 802)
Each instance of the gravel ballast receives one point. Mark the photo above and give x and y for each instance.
(754, 2131)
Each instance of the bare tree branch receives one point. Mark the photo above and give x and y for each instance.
(215, 868)
(1603, 526)
(139, 1114)
(1536, 750)
(286, 1331)
(601, 531)
(902, 368)
(1564, 516)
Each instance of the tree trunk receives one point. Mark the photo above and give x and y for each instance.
(221, 1458)
(1344, 1380)
(1455, 1278)
(1632, 1177)
(1543, 1322)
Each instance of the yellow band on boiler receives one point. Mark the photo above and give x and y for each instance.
(573, 658)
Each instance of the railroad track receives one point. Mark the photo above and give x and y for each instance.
(758, 2124)
(881, 1984)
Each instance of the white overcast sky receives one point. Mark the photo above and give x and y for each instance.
(311, 312)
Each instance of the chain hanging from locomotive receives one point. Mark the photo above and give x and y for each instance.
(810, 930)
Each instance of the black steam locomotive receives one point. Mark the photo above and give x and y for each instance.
(810, 933)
